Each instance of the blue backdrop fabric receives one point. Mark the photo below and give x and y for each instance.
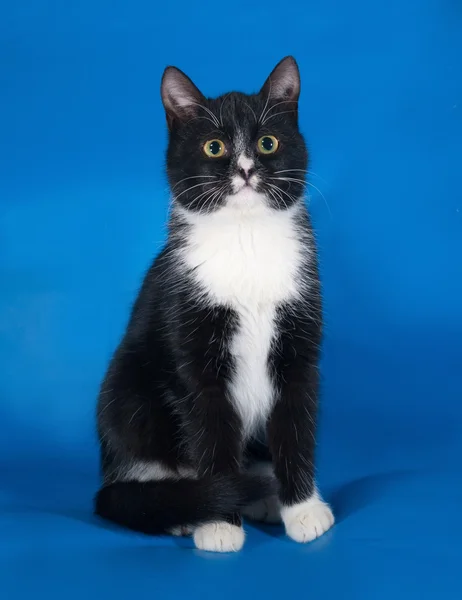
(83, 204)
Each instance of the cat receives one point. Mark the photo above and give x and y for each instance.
(207, 412)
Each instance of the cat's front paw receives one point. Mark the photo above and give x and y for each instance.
(219, 537)
(308, 520)
(267, 510)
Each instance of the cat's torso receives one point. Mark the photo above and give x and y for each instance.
(253, 264)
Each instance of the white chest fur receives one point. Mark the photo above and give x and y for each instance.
(250, 262)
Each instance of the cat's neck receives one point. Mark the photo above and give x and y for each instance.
(244, 256)
(237, 213)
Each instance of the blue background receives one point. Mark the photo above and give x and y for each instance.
(83, 203)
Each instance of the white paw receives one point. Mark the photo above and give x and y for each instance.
(181, 530)
(267, 510)
(219, 537)
(308, 520)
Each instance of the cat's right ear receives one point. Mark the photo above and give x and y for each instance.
(180, 97)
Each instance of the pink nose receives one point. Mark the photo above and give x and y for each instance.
(246, 173)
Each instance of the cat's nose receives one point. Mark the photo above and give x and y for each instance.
(245, 167)
(246, 174)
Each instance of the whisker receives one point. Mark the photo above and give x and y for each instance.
(208, 111)
(276, 197)
(266, 103)
(221, 108)
(211, 197)
(206, 119)
(205, 193)
(291, 196)
(278, 193)
(207, 196)
(192, 177)
(318, 176)
(253, 112)
(322, 196)
(305, 183)
(271, 193)
(289, 170)
(219, 197)
(294, 179)
(309, 171)
(194, 186)
(284, 112)
(274, 106)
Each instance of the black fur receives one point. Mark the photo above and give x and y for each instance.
(156, 507)
(165, 395)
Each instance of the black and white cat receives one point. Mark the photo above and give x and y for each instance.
(208, 409)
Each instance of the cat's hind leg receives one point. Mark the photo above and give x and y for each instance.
(267, 510)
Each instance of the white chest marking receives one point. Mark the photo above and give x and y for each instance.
(252, 388)
(248, 261)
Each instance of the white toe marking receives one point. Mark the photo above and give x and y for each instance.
(219, 537)
(308, 520)
(267, 510)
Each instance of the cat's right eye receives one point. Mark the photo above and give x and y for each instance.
(214, 148)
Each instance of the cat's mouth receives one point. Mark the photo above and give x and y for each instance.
(246, 198)
(238, 183)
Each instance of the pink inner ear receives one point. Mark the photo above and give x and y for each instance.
(179, 94)
(284, 81)
(283, 87)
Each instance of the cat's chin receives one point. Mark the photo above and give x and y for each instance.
(247, 199)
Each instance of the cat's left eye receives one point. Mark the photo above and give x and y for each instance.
(214, 148)
(267, 144)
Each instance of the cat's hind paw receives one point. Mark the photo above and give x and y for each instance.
(267, 510)
(181, 530)
(219, 537)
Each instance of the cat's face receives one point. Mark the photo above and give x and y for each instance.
(237, 150)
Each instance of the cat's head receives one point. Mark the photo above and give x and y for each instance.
(236, 150)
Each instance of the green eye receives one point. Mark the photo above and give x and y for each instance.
(214, 148)
(267, 144)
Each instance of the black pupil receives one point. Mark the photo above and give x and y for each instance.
(267, 144)
(215, 147)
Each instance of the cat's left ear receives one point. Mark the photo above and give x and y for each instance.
(284, 82)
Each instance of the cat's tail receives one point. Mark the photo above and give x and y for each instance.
(156, 507)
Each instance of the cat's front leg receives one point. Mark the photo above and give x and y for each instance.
(215, 445)
(291, 436)
(212, 428)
